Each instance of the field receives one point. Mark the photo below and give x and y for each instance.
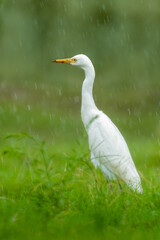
(49, 188)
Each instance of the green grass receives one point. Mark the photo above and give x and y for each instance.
(48, 186)
(53, 195)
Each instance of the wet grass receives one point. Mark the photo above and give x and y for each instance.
(49, 188)
(52, 195)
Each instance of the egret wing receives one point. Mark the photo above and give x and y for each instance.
(107, 144)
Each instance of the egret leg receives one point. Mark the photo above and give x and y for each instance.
(120, 187)
(109, 185)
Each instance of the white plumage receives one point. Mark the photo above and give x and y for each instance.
(109, 150)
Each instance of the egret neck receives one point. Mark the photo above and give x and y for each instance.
(88, 107)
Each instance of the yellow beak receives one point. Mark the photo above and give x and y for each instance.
(66, 60)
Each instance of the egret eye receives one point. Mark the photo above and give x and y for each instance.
(74, 59)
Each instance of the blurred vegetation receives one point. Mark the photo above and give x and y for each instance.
(122, 39)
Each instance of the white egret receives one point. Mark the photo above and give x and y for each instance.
(109, 150)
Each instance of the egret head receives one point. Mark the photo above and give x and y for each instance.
(79, 60)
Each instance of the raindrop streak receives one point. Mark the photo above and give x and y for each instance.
(29, 107)
(35, 86)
